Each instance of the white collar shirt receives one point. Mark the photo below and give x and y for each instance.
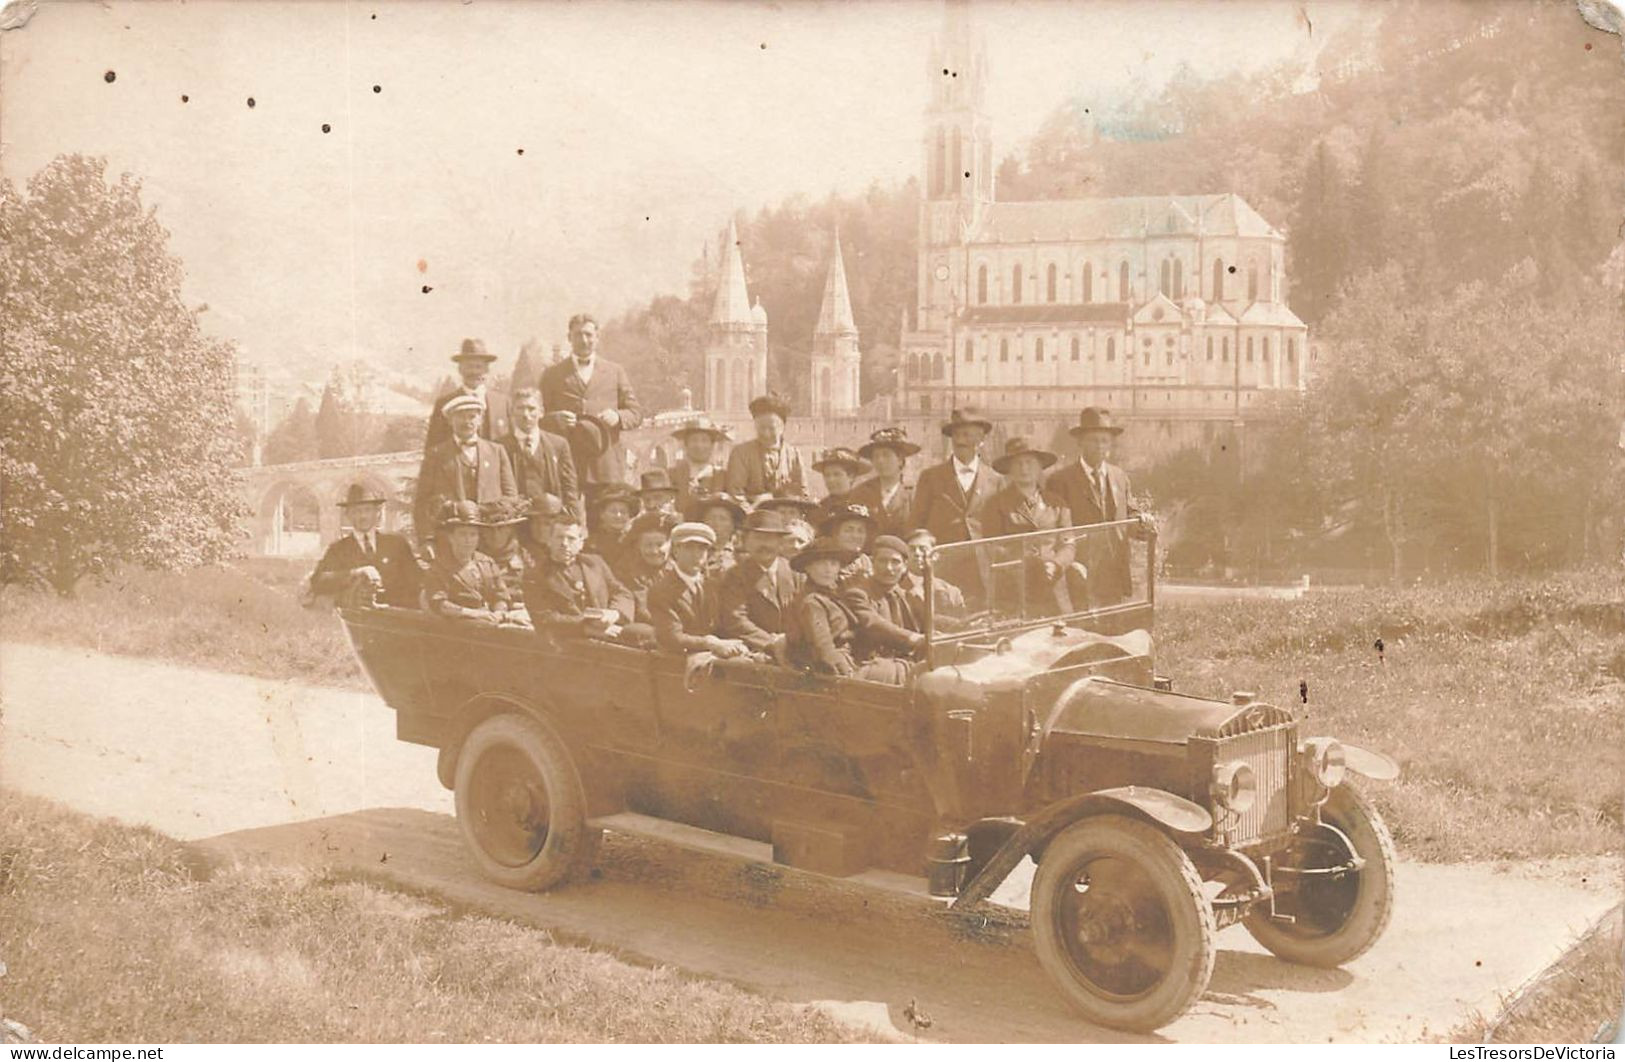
(584, 369)
(966, 474)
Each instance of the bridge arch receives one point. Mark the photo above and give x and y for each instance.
(291, 520)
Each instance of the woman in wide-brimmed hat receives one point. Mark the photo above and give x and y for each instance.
(840, 468)
(822, 631)
(610, 510)
(1024, 505)
(697, 472)
(889, 500)
(851, 525)
(463, 584)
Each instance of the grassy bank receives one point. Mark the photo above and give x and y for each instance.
(1505, 703)
(1576, 1001)
(114, 934)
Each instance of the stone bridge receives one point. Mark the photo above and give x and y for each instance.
(294, 507)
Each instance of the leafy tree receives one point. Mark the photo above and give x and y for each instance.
(119, 445)
(333, 430)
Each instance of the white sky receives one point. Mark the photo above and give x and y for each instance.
(643, 126)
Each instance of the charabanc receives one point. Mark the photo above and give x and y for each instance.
(1031, 729)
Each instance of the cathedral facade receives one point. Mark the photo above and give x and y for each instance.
(1163, 307)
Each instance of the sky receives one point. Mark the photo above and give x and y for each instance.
(528, 160)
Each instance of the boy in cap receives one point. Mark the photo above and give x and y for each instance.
(463, 584)
(758, 592)
(575, 594)
(645, 556)
(367, 562)
(824, 627)
(696, 471)
(683, 604)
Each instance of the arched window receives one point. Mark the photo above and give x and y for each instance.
(970, 350)
(1218, 280)
(936, 367)
(1038, 345)
(1049, 286)
(911, 367)
(1179, 278)
(1088, 282)
(1015, 284)
(1075, 348)
(1165, 278)
(1252, 282)
(1111, 348)
(1266, 350)
(981, 284)
(1292, 352)
(1249, 349)
(939, 159)
(1225, 347)
(1209, 348)
(956, 175)
(1004, 350)
(1122, 282)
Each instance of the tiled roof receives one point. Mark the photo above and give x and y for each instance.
(1122, 218)
(1272, 314)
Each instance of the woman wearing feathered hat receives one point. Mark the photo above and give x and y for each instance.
(463, 584)
(889, 500)
(1021, 506)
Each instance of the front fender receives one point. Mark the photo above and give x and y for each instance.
(1373, 765)
(1156, 805)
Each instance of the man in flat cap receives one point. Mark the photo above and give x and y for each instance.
(684, 604)
(473, 369)
(589, 400)
(766, 464)
(464, 467)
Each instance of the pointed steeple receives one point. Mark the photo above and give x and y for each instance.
(835, 316)
(732, 305)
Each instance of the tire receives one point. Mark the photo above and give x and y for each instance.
(1137, 894)
(1337, 920)
(520, 805)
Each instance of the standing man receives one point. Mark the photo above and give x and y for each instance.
(696, 471)
(589, 400)
(473, 367)
(464, 467)
(951, 499)
(368, 557)
(542, 463)
(1097, 492)
(766, 464)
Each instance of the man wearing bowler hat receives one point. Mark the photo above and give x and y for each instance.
(951, 500)
(473, 368)
(367, 557)
(1096, 491)
(589, 400)
(766, 464)
(465, 467)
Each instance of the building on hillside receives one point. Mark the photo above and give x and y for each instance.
(837, 362)
(1160, 307)
(736, 347)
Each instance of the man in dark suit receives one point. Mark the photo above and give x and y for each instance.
(368, 561)
(766, 464)
(950, 501)
(463, 468)
(575, 594)
(542, 463)
(759, 590)
(590, 402)
(473, 367)
(683, 603)
(881, 604)
(1097, 492)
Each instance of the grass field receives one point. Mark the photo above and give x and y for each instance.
(116, 934)
(1505, 703)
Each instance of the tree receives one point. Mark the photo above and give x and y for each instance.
(332, 424)
(294, 439)
(128, 453)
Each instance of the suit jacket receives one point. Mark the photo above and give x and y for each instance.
(446, 474)
(1106, 555)
(637, 576)
(896, 518)
(691, 481)
(948, 512)
(610, 388)
(887, 623)
(748, 475)
(683, 616)
(556, 594)
(755, 604)
(1032, 592)
(493, 427)
(393, 557)
(550, 470)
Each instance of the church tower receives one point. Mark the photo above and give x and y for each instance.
(836, 361)
(736, 351)
(956, 178)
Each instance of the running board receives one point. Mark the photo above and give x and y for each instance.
(740, 849)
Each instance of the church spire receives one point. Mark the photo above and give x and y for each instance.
(835, 316)
(732, 305)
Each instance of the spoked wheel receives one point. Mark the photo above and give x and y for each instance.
(1336, 917)
(1121, 924)
(520, 804)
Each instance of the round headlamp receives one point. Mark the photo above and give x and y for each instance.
(1234, 786)
(1324, 759)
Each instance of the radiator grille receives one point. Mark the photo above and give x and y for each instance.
(1268, 753)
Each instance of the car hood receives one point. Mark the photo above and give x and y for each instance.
(1099, 707)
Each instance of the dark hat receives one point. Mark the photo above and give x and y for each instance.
(654, 520)
(842, 512)
(1096, 418)
(589, 437)
(772, 402)
(893, 439)
(699, 503)
(794, 506)
(501, 512)
(891, 542)
(842, 457)
(473, 350)
(655, 481)
(821, 548)
(768, 522)
(459, 514)
(359, 494)
(613, 492)
(701, 423)
(1016, 446)
(548, 507)
(964, 418)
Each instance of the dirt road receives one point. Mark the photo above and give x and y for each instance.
(257, 769)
